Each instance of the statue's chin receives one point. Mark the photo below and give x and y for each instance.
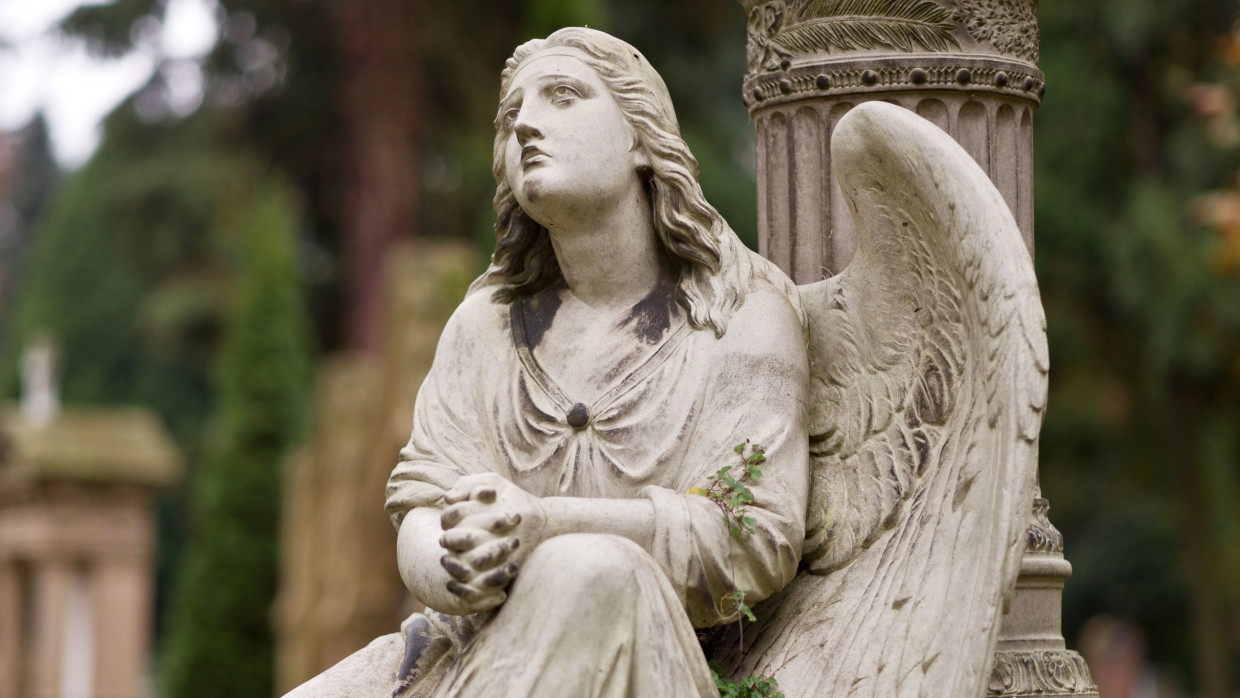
(533, 191)
(542, 200)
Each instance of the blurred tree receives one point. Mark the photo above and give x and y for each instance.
(133, 269)
(103, 288)
(332, 93)
(1140, 440)
(220, 641)
(30, 178)
(380, 102)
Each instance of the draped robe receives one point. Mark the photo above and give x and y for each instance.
(658, 432)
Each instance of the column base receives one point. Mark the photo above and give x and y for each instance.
(1031, 658)
(1022, 673)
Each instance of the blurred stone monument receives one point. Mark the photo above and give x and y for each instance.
(339, 587)
(969, 66)
(77, 541)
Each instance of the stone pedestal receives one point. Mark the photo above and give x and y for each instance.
(77, 539)
(968, 66)
(1031, 658)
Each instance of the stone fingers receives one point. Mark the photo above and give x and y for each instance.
(483, 493)
(498, 523)
(482, 487)
(457, 569)
(493, 521)
(477, 599)
(464, 539)
(454, 514)
(488, 555)
(498, 578)
(479, 591)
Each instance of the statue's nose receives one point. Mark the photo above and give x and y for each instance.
(525, 132)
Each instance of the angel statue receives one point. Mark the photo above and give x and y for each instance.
(571, 505)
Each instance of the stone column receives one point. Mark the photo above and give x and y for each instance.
(11, 628)
(122, 588)
(969, 69)
(53, 581)
(1031, 658)
(969, 66)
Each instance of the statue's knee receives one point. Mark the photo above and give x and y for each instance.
(597, 563)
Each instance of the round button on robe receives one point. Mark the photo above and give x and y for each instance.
(579, 416)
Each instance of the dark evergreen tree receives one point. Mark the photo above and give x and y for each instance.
(219, 640)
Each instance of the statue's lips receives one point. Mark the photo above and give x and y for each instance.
(531, 156)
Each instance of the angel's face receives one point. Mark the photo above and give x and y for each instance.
(566, 141)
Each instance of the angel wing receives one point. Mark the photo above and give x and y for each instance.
(928, 369)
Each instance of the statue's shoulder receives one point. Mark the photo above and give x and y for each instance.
(768, 321)
(479, 318)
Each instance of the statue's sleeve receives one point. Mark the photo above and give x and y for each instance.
(756, 393)
(445, 442)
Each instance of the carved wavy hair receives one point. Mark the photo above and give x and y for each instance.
(714, 268)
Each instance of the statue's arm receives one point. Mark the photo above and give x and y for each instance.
(444, 446)
(419, 555)
(461, 559)
(757, 393)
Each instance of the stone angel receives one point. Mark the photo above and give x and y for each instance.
(622, 348)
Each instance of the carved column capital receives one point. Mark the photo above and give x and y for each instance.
(792, 29)
(810, 49)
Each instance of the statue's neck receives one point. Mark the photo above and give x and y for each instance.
(612, 260)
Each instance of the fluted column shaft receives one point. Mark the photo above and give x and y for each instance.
(981, 88)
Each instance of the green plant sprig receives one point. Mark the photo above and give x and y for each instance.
(748, 687)
(731, 494)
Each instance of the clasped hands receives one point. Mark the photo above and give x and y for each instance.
(489, 526)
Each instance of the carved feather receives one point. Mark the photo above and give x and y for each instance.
(906, 25)
(928, 362)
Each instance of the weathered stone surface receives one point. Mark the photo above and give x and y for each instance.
(920, 54)
(1040, 673)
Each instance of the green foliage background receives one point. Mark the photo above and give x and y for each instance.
(1140, 448)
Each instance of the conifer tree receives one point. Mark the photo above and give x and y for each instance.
(219, 640)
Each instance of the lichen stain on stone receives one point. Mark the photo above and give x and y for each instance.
(538, 312)
(651, 317)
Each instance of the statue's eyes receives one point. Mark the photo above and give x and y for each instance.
(510, 117)
(563, 93)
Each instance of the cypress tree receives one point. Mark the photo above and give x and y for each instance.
(219, 639)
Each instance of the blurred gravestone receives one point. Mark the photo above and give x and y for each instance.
(339, 584)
